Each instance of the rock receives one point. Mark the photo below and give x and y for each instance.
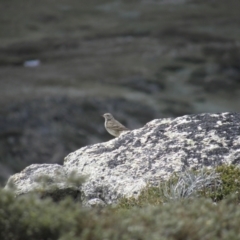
(44, 179)
(95, 202)
(123, 166)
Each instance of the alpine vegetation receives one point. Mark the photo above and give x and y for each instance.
(191, 184)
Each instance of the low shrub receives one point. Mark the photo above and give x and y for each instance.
(31, 218)
(180, 209)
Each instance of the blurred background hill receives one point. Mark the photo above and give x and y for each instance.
(138, 59)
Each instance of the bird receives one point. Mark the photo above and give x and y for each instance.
(114, 127)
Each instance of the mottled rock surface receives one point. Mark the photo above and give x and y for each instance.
(124, 165)
(44, 179)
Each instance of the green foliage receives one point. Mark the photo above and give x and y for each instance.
(230, 184)
(31, 218)
(230, 176)
(149, 195)
(149, 216)
(26, 218)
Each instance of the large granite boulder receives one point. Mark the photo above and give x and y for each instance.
(125, 165)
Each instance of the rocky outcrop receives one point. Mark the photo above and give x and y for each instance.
(125, 165)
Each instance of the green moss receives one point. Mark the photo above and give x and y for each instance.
(149, 195)
(230, 184)
(230, 176)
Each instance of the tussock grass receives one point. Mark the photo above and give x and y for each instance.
(187, 185)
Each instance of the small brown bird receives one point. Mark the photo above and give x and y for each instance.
(114, 127)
